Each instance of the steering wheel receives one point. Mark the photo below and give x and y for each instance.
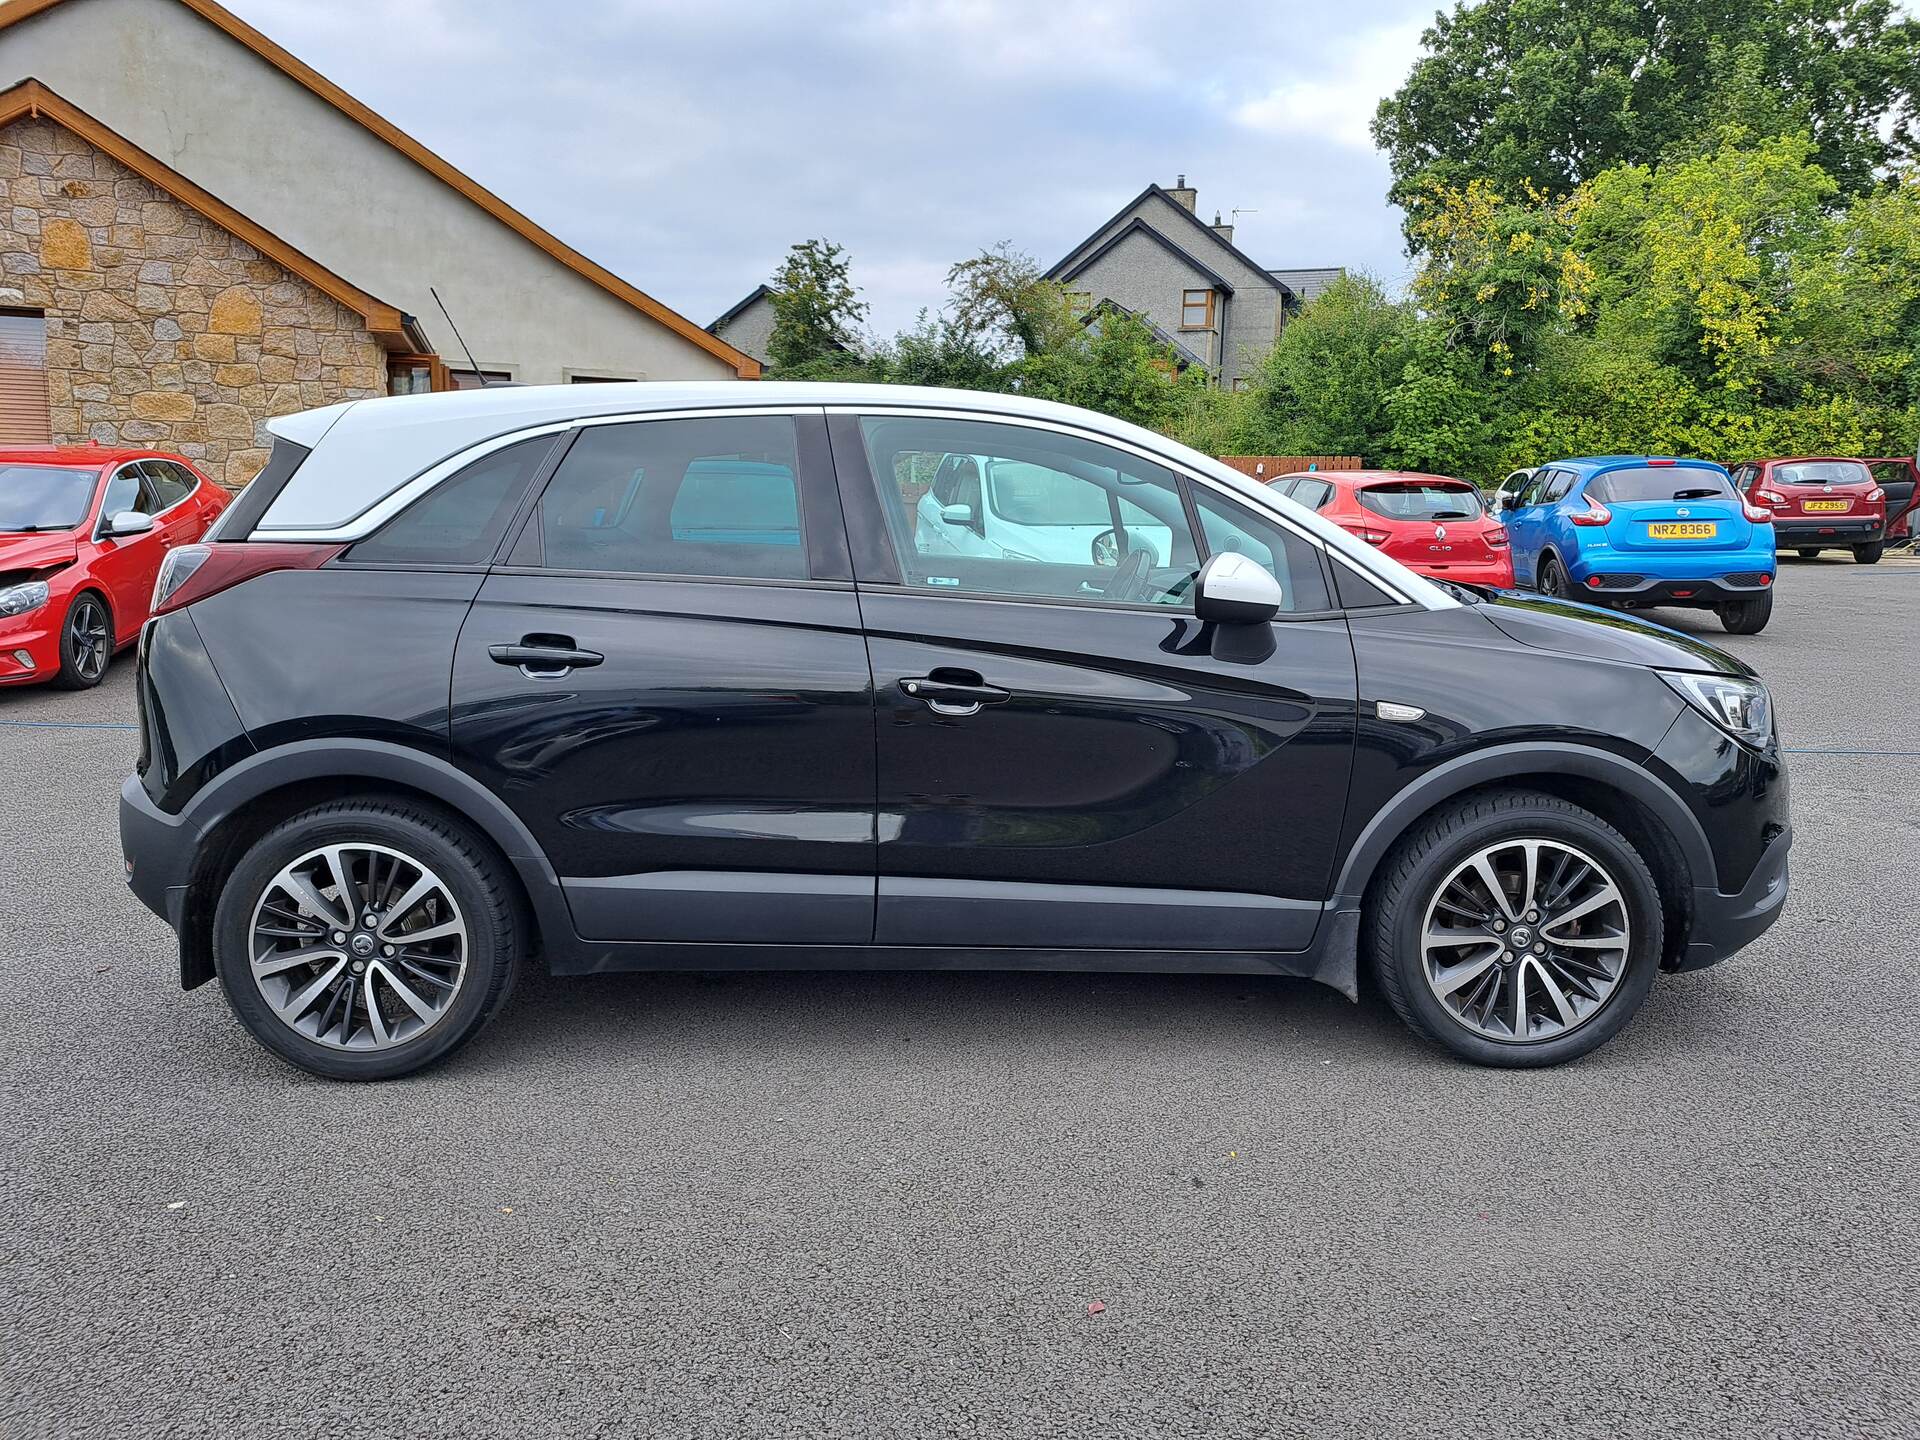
(1132, 577)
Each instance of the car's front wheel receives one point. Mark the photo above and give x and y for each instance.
(1515, 929)
(365, 939)
(86, 643)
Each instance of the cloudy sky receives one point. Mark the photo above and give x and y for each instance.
(685, 144)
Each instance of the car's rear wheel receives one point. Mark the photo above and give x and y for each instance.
(366, 939)
(1870, 554)
(1553, 579)
(86, 642)
(1515, 928)
(1747, 616)
(1807, 552)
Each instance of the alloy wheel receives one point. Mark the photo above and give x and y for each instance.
(1526, 940)
(1551, 583)
(358, 947)
(89, 638)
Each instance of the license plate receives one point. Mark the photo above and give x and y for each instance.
(1812, 505)
(1684, 530)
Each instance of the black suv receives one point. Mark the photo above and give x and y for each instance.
(718, 676)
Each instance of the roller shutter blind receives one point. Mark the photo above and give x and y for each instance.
(25, 418)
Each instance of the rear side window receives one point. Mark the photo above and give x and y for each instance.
(1311, 493)
(171, 484)
(1660, 482)
(716, 497)
(462, 519)
(1415, 500)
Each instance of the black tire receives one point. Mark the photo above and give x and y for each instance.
(1870, 554)
(477, 880)
(86, 642)
(1808, 552)
(1552, 580)
(1748, 616)
(1414, 873)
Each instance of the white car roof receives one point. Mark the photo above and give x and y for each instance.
(365, 451)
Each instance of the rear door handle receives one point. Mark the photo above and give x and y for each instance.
(543, 657)
(954, 692)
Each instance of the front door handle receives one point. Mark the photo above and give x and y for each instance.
(545, 657)
(954, 692)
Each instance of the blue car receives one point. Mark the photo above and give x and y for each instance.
(1638, 530)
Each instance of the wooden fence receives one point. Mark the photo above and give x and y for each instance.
(1269, 467)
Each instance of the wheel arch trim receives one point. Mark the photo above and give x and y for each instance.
(261, 774)
(1514, 763)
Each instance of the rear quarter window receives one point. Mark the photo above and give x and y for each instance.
(462, 520)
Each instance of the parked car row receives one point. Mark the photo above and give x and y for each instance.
(1627, 531)
(83, 530)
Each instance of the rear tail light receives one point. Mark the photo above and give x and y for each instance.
(1756, 514)
(1372, 537)
(1594, 514)
(1876, 493)
(191, 573)
(1769, 497)
(1497, 540)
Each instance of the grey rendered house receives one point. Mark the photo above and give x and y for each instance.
(1187, 279)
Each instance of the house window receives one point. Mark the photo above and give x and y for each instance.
(1079, 302)
(25, 416)
(475, 379)
(1196, 310)
(576, 378)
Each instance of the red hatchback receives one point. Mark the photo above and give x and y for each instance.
(83, 530)
(1819, 504)
(1433, 524)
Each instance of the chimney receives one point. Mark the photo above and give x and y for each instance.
(1182, 195)
(1225, 232)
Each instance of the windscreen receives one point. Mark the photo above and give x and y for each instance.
(1421, 500)
(1823, 472)
(44, 497)
(1661, 482)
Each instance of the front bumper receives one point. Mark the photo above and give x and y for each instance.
(29, 647)
(1840, 531)
(1725, 924)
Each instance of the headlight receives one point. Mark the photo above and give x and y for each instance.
(1739, 707)
(19, 599)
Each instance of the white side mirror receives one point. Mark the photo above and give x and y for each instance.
(956, 514)
(128, 523)
(1236, 590)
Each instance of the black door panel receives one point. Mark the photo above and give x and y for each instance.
(1126, 754)
(728, 728)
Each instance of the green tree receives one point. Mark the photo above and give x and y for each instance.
(1000, 298)
(817, 312)
(1550, 93)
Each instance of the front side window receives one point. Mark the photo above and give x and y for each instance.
(44, 497)
(124, 492)
(1234, 529)
(462, 519)
(712, 497)
(1030, 512)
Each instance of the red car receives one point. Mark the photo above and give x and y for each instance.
(1433, 524)
(83, 530)
(1819, 503)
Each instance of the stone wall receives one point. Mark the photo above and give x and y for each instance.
(162, 328)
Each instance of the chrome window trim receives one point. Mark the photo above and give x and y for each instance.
(381, 511)
(1165, 461)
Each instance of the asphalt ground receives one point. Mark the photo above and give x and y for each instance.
(857, 1205)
